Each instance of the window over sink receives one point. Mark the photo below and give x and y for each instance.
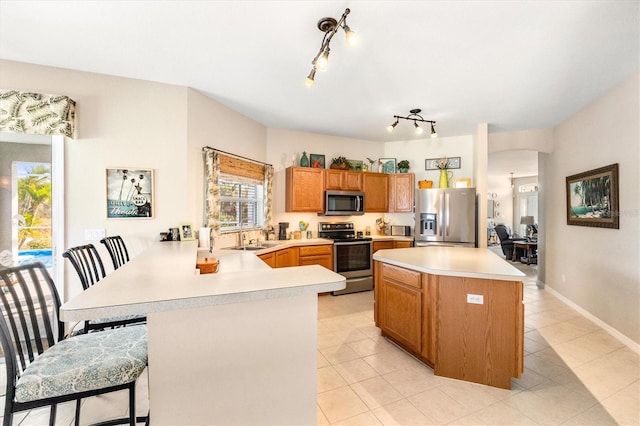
(241, 203)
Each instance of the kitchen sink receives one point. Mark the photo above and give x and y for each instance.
(248, 248)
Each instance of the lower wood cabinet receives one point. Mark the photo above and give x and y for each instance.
(431, 317)
(300, 256)
(400, 308)
(316, 255)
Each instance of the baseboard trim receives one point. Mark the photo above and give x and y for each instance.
(606, 327)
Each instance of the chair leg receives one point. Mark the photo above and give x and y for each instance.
(132, 403)
(77, 420)
(52, 415)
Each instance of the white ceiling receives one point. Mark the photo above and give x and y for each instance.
(513, 64)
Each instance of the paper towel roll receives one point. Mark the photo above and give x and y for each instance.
(204, 238)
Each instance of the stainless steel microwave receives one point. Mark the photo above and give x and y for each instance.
(343, 203)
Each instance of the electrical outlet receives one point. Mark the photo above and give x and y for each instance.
(476, 299)
(94, 234)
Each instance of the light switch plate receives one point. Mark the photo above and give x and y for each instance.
(476, 299)
(94, 234)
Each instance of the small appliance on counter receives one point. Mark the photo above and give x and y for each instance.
(282, 230)
(401, 230)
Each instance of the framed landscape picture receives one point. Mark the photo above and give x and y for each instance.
(592, 198)
(129, 193)
(387, 165)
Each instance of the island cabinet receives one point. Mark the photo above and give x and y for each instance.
(376, 192)
(401, 192)
(304, 190)
(464, 328)
(316, 255)
(342, 180)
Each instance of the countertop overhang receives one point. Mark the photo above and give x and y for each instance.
(452, 261)
(164, 278)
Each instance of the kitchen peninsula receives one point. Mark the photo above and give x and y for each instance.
(457, 309)
(234, 347)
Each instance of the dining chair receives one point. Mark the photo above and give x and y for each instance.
(43, 368)
(117, 250)
(90, 269)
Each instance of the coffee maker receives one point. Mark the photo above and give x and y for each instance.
(282, 232)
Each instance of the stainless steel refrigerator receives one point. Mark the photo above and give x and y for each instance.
(446, 217)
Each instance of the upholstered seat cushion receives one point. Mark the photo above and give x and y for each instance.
(85, 362)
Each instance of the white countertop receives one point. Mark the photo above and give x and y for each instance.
(164, 278)
(452, 261)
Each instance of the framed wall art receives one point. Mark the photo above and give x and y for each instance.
(355, 165)
(130, 193)
(387, 165)
(316, 160)
(592, 198)
(438, 163)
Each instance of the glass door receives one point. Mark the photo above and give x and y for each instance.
(31, 202)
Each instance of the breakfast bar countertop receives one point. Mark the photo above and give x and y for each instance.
(164, 278)
(451, 261)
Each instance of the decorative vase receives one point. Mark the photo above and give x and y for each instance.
(403, 170)
(445, 175)
(304, 160)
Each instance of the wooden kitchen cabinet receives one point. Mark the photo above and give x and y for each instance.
(286, 257)
(399, 304)
(384, 245)
(342, 180)
(381, 245)
(304, 190)
(316, 255)
(402, 244)
(401, 192)
(269, 259)
(430, 316)
(376, 192)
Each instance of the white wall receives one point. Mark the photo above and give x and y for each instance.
(598, 268)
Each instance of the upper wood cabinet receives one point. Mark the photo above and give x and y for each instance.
(304, 190)
(342, 180)
(401, 192)
(376, 192)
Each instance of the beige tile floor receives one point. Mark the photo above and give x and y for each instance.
(575, 374)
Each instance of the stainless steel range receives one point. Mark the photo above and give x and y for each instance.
(351, 255)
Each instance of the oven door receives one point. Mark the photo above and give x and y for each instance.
(352, 259)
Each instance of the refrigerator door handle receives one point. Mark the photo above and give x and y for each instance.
(441, 214)
(446, 208)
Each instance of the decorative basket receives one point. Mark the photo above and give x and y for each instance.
(208, 265)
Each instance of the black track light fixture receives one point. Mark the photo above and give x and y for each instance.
(414, 115)
(329, 26)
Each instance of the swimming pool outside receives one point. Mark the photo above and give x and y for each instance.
(40, 255)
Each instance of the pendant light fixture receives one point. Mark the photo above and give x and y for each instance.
(414, 115)
(329, 26)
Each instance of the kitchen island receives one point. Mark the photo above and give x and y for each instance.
(234, 347)
(459, 310)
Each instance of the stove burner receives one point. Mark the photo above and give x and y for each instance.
(339, 231)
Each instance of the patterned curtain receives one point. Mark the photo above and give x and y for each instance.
(212, 191)
(36, 114)
(268, 196)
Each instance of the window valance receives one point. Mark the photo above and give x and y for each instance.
(37, 114)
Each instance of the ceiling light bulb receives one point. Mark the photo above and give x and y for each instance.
(419, 129)
(323, 60)
(310, 80)
(352, 37)
(392, 126)
(434, 134)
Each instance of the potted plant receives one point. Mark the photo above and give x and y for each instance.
(403, 166)
(339, 163)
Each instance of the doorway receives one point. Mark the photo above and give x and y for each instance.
(32, 202)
